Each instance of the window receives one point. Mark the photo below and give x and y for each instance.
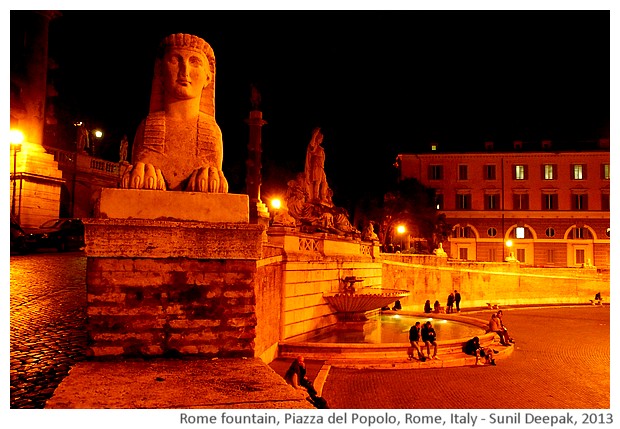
(491, 202)
(605, 202)
(520, 172)
(463, 253)
(520, 202)
(579, 202)
(605, 171)
(550, 232)
(463, 232)
(520, 232)
(579, 171)
(489, 172)
(463, 201)
(550, 202)
(439, 201)
(550, 256)
(435, 172)
(549, 171)
(580, 233)
(462, 172)
(580, 256)
(521, 255)
(492, 232)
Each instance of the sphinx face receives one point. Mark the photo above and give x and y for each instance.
(185, 73)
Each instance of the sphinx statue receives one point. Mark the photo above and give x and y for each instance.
(178, 146)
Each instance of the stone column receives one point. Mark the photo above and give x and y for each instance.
(258, 210)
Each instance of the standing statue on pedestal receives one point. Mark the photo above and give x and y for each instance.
(122, 153)
(178, 146)
(309, 198)
(315, 168)
(82, 140)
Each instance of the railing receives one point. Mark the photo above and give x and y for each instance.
(83, 162)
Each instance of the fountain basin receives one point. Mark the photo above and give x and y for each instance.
(363, 300)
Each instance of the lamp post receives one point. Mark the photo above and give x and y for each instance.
(98, 138)
(17, 137)
(400, 230)
(509, 246)
(276, 204)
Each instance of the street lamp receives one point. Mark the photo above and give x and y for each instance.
(400, 230)
(16, 140)
(511, 256)
(99, 136)
(276, 203)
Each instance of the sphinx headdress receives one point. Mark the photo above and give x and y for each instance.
(188, 41)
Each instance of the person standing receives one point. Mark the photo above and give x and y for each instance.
(429, 336)
(450, 303)
(457, 300)
(414, 338)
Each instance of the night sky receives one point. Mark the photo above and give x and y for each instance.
(377, 82)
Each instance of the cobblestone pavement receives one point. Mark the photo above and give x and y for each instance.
(48, 302)
(561, 361)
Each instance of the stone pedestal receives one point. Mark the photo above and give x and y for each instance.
(172, 273)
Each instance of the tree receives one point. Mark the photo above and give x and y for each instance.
(412, 204)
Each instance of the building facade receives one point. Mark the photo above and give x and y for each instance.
(542, 206)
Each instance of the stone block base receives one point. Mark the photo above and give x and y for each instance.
(169, 205)
(168, 288)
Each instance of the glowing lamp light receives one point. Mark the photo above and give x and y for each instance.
(508, 243)
(276, 203)
(400, 229)
(98, 133)
(16, 137)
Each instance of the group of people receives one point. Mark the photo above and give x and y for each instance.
(473, 347)
(496, 324)
(425, 334)
(454, 299)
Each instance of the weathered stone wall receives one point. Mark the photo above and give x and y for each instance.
(315, 264)
(171, 306)
(169, 288)
(268, 292)
(429, 277)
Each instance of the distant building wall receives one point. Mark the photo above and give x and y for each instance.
(432, 278)
(486, 195)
